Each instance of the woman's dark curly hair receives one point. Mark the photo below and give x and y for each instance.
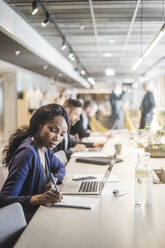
(41, 116)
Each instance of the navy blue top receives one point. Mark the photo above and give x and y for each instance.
(27, 176)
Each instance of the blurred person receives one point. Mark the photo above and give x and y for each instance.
(82, 127)
(117, 115)
(44, 99)
(147, 105)
(33, 98)
(30, 160)
(62, 97)
(74, 109)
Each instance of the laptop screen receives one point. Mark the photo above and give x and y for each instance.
(105, 178)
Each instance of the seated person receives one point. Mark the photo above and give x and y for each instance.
(74, 109)
(82, 127)
(30, 160)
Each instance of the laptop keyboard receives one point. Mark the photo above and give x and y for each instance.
(90, 186)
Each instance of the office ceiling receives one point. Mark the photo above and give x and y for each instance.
(103, 34)
(27, 60)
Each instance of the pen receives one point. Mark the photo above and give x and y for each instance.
(53, 181)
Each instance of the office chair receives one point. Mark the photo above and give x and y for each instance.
(12, 221)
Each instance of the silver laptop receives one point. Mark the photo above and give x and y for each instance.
(86, 187)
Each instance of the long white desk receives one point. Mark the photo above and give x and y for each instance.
(113, 223)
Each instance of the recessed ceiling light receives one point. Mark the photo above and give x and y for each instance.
(72, 58)
(112, 41)
(17, 52)
(109, 72)
(83, 72)
(82, 27)
(107, 54)
(45, 67)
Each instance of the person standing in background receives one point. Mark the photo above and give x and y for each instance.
(62, 97)
(44, 99)
(117, 115)
(147, 105)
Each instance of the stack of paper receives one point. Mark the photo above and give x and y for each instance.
(78, 202)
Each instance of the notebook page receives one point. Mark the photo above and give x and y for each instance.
(78, 202)
(90, 154)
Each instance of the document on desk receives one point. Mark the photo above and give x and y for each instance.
(78, 202)
(90, 154)
(95, 140)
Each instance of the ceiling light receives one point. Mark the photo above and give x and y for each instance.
(72, 58)
(153, 43)
(82, 27)
(46, 22)
(107, 54)
(91, 80)
(138, 62)
(45, 67)
(64, 45)
(70, 55)
(34, 7)
(109, 72)
(112, 41)
(83, 72)
(17, 52)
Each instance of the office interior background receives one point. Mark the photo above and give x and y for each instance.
(84, 47)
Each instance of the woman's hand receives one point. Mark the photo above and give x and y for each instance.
(49, 197)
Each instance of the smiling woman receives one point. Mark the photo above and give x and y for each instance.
(30, 160)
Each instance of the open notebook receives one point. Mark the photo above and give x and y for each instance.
(78, 202)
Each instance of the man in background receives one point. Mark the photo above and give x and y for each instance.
(117, 115)
(82, 127)
(147, 105)
(74, 109)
